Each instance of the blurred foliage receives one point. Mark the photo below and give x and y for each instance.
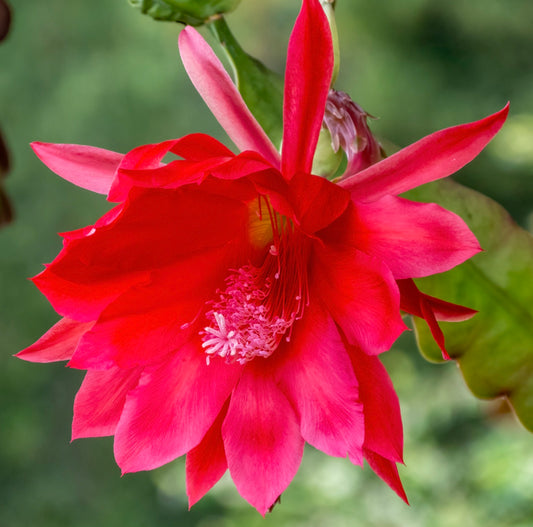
(6, 212)
(193, 12)
(98, 73)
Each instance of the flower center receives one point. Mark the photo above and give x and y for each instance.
(258, 306)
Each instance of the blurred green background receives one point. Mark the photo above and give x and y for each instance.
(100, 73)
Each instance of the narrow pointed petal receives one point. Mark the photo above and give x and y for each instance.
(318, 378)
(411, 296)
(361, 295)
(414, 239)
(58, 343)
(172, 408)
(307, 79)
(206, 463)
(261, 438)
(387, 471)
(100, 401)
(431, 309)
(383, 421)
(434, 157)
(87, 167)
(222, 97)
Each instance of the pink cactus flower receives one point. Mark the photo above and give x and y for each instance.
(232, 307)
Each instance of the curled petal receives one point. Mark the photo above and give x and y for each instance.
(87, 167)
(434, 157)
(222, 97)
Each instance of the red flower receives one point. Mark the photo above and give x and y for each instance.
(231, 307)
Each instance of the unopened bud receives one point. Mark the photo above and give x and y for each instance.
(347, 124)
(190, 12)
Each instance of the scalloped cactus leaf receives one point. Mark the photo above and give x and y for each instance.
(494, 349)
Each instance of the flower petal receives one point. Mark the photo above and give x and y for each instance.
(100, 401)
(435, 156)
(318, 379)
(261, 438)
(413, 239)
(307, 79)
(58, 343)
(383, 421)
(143, 165)
(431, 309)
(172, 408)
(361, 295)
(92, 271)
(411, 297)
(317, 201)
(86, 166)
(222, 97)
(151, 320)
(387, 471)
(206, 463)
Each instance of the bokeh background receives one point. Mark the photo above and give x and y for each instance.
(100, 73)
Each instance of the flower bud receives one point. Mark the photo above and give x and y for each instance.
(347, 125)
(191, 12)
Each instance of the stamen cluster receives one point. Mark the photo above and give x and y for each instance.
(241, 324)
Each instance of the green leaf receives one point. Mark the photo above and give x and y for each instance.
(495, 348)
(191, 12)
(261, 88)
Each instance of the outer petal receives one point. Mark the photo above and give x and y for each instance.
(383, 422)
(388, 471)
(172, 408)
(411, 298)
(261, 438)
(361, 295)
(221, 95)
(435, 156)
(206, 463)
(431, 309)
(58, 343)
(318, 378)
(100, 401)
(307, 79)
(86, 166)
(413, 239)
